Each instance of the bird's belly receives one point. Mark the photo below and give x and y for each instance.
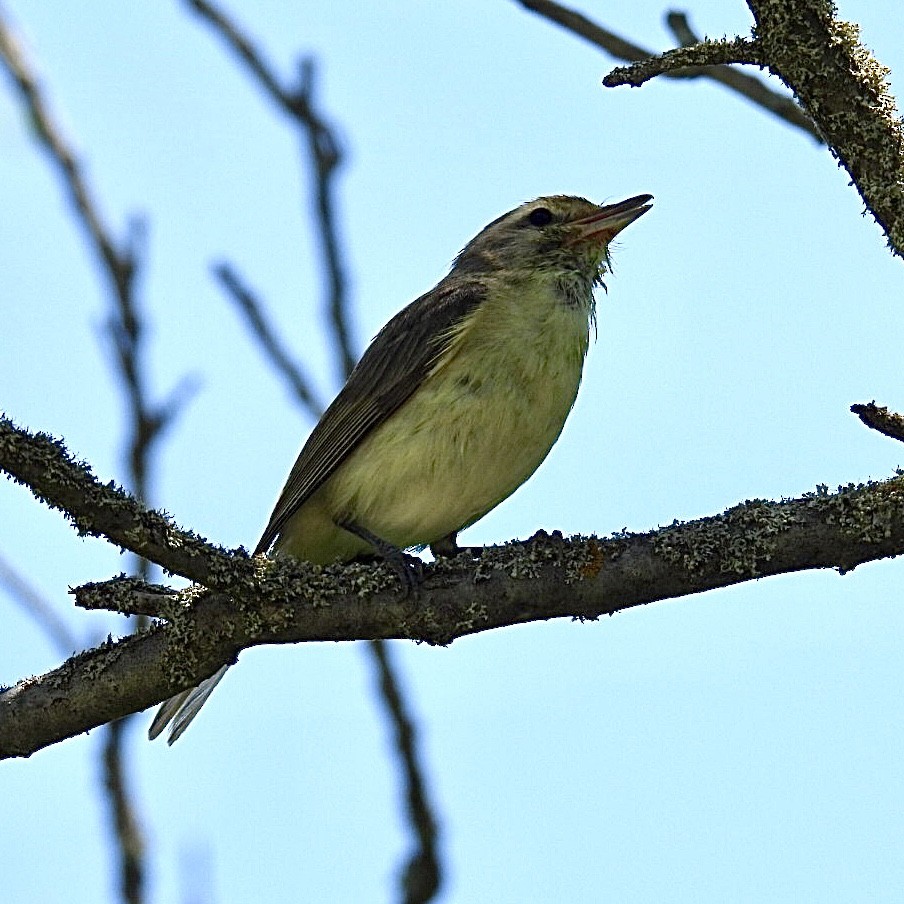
(456, 449)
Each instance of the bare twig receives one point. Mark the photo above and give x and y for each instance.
(422, 876)
(268, 339)
(40, 609)
(752, 88)
(325, 156)
(888, 422)
(118, 264)
(583, 27)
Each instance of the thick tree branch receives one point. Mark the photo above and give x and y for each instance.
(838, 83)
(103, 510)
(749, 86)
(546, 577)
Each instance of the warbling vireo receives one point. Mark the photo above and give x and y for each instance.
(455, 403)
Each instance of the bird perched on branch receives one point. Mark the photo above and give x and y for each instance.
(453, 406)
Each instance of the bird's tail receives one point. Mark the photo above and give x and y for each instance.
(182, 708)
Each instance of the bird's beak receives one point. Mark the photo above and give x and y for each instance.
(607, 222)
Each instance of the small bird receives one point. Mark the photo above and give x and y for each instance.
(455, 403)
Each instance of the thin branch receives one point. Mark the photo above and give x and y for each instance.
(888, 422)
(120, 265)
(749, 86)
(545, 577)
(423, 874)
(838, 83)
(39, 609)
(580, 25)
(707, 53)
(752, 88)
(268, 339)
(325, 154)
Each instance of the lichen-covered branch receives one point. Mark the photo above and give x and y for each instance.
(97, 509)
(546, 577)
(751, 87)
(879, 418)
(836, 80)
(706, 53)
(845, 91)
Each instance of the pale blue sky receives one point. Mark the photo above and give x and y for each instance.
(743, 745)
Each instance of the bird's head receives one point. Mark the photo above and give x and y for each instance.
(564, 237)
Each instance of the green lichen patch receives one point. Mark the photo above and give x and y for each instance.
(735, 542)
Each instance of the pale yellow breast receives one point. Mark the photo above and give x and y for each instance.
(476, 429)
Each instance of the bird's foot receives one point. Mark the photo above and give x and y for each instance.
(409, 569)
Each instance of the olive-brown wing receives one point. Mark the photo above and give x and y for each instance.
(392, 368)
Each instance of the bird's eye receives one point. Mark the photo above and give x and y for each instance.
(541, 216)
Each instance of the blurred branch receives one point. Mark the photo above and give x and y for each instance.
(423, 875)
(325, 155)
(888, 422)
(283, 601)
(270, 343)
(126, 827)
(749, 86)
(119, 263)
(40, 609)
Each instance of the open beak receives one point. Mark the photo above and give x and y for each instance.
(601, 227)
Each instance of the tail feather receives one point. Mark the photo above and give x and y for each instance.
(183, 707)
